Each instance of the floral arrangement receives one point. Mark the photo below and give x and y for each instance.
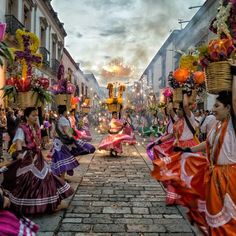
(224, 23)
(191, 81)
(63, 87)
(26, 54)
(167, 92)
(5, 52)
(189, 62)
(112, 98)
(216, 50)
(38, 85)
(21, 79)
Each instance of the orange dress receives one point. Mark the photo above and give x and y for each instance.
(213, 179)
(167, 163)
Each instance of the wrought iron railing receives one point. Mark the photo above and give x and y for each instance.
(55, 65)
(46, 56)
(13, 24)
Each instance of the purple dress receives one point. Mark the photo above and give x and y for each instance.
(63, 156)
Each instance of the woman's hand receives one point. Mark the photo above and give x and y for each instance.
(6, 203)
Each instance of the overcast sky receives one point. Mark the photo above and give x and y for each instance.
(99, 31)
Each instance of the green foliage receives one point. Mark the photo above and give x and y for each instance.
(5, 53)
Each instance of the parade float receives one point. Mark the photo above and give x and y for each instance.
(114, 101)
(23, 88)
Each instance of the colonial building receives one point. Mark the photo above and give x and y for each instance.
(36, 16)
(166, 59)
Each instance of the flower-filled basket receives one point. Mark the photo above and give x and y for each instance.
(178, 95)
(28, 99)
(218, 77)
(85, 110)
(215, 57)
(113, 107)
(63, 99)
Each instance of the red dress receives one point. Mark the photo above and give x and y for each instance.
(114, 140)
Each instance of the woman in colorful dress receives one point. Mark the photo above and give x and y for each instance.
(85, 128)
(167, 164)
(165, 141)
(129, 130)
(29, 182)
(14, 224)
(113, 142)
(213, 178)
(79, 134)
(65, 147)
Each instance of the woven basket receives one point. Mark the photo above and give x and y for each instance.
(177, 95)
(85, 110)
(63, 99)
(28, 99)
(218, 77)
(113, 107)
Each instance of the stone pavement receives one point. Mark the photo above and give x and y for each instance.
(116, 196)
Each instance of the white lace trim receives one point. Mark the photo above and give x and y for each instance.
(201, 205)
(227, 213)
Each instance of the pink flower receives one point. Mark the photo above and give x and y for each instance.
(2, 30)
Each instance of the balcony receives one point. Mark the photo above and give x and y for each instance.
(55, 66)
(45, 53)
(13, 24)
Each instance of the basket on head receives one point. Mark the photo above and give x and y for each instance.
(28, 99)
(85, 110)
(113, 107)
(178, 95)
(63, 99)
(218, 77)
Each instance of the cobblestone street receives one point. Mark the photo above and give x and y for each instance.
(116, 196)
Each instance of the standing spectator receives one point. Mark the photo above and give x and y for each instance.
(11, 126)
(3, 124)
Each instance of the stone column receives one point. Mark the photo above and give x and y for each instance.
(20, 11)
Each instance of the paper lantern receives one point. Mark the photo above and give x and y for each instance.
(181, 75)
(199, 77)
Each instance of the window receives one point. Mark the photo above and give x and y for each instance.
(27, 18)
(12, 7)
(82, 89)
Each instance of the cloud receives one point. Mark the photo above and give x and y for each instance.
(130, 29)
(79, 35)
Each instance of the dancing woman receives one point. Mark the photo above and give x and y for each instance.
(166, 140)
(65, 147)
(213, 177)
(167, 164)
(113, 142)
(29, 182)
